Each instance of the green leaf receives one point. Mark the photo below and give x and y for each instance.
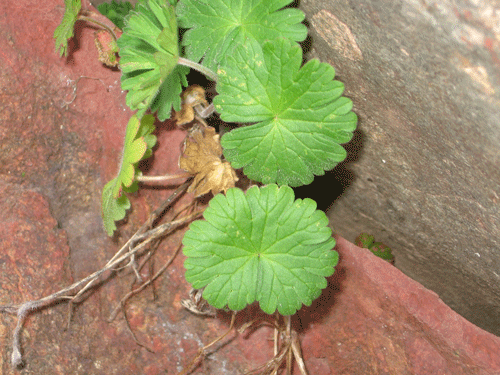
(382, 251)
(216, 26)
(169, 93)
(364, 240)
(116, 11)
(138, 144)
(65, 30)
(260, 246)
(113, 209)
(379, 249)
(149, 53)
(299, 114)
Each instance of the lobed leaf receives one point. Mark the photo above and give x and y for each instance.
(262, 246)
(116, 11)
(217, 26)
(138, 144)
(65, 30)
(113, 209)
(149, 53)
(299, 114)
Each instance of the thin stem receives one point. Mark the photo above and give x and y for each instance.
(288, 321)
(100, 24)
(165, 178)
(297, 353)
(200, 68)
(140, 288)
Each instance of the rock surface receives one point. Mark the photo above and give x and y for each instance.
(57, 153)
(423, 169)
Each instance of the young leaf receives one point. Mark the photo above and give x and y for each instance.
(138, 144)
(379, 249)
(116, 11)
(301, 118)
(260, 246)
(64, 31)
(364, 240)
(168, 95)
(149, 53)
(216, 26)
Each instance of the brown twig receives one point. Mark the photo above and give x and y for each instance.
(75, 291)
(288, 350)
(142, 287)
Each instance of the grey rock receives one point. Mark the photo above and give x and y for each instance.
(423, 172)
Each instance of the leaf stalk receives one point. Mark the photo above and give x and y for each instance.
(198, 67)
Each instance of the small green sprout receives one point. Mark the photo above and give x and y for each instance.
(367, 241)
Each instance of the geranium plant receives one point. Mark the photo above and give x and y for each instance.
(254, 243)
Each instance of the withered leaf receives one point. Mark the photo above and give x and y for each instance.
(191, 97)
(202, 158)
(107, 48)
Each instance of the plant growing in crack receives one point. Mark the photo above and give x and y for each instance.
(255, 243)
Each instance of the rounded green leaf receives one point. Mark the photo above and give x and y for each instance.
(300, 118)
(262, 246)
(217, 26)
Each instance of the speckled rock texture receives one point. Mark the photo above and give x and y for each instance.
(423, 171)
(57, 151)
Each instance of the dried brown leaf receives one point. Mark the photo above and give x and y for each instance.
(191, 97)
(202, 158)
(107, 48)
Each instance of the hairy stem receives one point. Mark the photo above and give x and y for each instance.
(100, 24)
(198, 67)
(166, 178)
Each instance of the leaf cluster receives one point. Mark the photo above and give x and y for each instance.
(138, 145)
(297, 116)
(262, 245)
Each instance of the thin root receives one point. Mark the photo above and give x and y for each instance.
(75, 292)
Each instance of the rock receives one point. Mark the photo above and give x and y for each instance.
(423, 172)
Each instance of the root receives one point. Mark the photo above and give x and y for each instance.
(75, 86)
(284, 353)
(75, 293)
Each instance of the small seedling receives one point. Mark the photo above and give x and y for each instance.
(367, 241)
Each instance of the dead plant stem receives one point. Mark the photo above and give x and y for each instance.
(73, 292)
